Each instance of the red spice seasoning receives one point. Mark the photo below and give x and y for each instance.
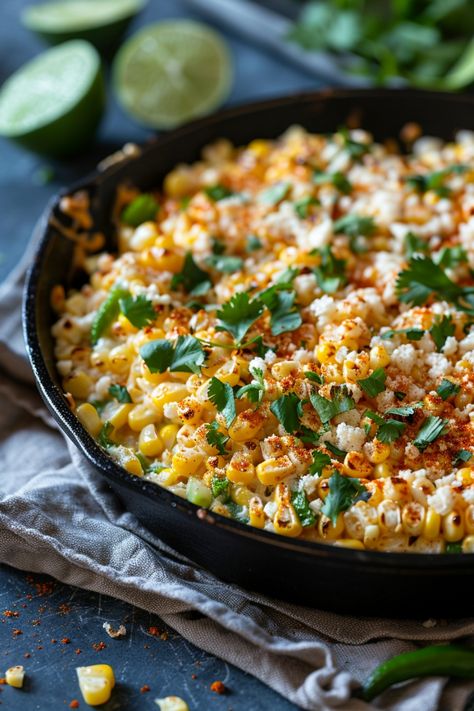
(65, 640)
(154, 631)
(11, 613)
(98, 646)
(78, 651)
(218, 687)
(144, 689)
(16, 633)
(74, 704)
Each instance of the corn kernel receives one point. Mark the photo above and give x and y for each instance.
(119, 417)
(286, 521)
(389, 516)
(144, 236)
(351, 543)
(96, 683)
(465, 475)
(141, 415)
(378, 357)
(168, 392)
(469, 518)
(356, 464)
(14, 676)
(383, 470)
(274, 470)
(89, 417)
(371, 535)
(179, 182)
(172, 703)
(240, 469)
(453, 526)
(378, 452)
(190, 411)
(328, 530)
(256, 514)
(468, 544)
(229, 373)
(150, 444)
(185, 463)
(325, 352)
(246, 426)
(284, 369)
(168, 435)
(79, 385)
(241, 495)
(432, 524)
(128, 460)
(413, 517)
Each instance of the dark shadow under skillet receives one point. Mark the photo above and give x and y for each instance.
(360, 582)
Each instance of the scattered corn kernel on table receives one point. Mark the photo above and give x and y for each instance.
(48, 627)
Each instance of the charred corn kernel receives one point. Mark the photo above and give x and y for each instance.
(166, 477)
(179, 182)
(357, 518)
(383, 470)
(285, 521)
(240, 469)
(246, 426)
(378, 452)
(168, 435)
(168, 392)
(323, 487)
(259, 147)
(274, 470)
(241, 495)
(119, 417)
(99, 359)
(328, 530)
(96, 683)
(389, 516)
(469, 518)
(162, 259)
(379, 358)
(14, 676)
(371, 535)
(256, 514)
(354, 370)
(284, 369)
(351, 543)
(79, 385)
(144, 236)
(356, 464)
(215, 462)
(172, 703)
(396, 489)
(465, 475)
(468, 544)
(413, 517)
(190, 411)
(431, 525)
(128, 460)
(325, 352)
(186, 462)
(149, 442)
(332, 372)
(229, 373)
(141, 415)
(453, 526)
(120, 359)
(89, 417)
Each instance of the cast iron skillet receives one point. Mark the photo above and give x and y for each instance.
(314, 574)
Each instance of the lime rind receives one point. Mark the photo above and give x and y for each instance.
(65, 16)
(171, 72)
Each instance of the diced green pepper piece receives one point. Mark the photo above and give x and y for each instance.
(142, 209)
(198, 493)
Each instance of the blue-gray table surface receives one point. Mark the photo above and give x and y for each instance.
(56, 611)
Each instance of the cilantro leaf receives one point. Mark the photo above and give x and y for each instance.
(463, 455)
(254, 390)
(225, 263)
(432, 428)
(338, 453)
(314, 377)
(375, 383)
(447, 388)
(388, 430)
(142, 209)
(338, 179)
(423, 278)
(450, 257)
(222, 396)
(138, 309)
(344, 491)
(104, 435)
(435, 180)
(253, 243)
(192, 278)
(216, 439)
(302, 206)
(327, 409)
(356, 149)
(274, 194)
(107, 313)
(286, 410)
(218, 247)
(217, 192)
(284, 316)
(120, 393)
(238, 314)
(303, 511)
(441, 330)
(405, 411)
(320, 460)
(354, 226)
(414, 244)
(330, 274)
(220, 487)
(237, 512)
(413, 334)
(186, 356)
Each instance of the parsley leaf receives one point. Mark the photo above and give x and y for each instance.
(413, 334)
(120, 393)
(238, 314)
(216, 439)
(222, 396)
(375, 383)
(138, 309)
(104, 435)
(186, 356)
(432, 428)
(254, 390)
(447, 388)
(253, 243)
(220, 487)
(327, 409)
(405, 411)
(441, 330)
(330, 274)
(338, 179)
(354, 226)
(320, 460)
(286, 410)
(142, 209)
(193, 279)
(302, 206)
(225, 263)
(344, 491)
(423, 278)
(217, 192)
(274, 194)
(284, 315)
(303, 511)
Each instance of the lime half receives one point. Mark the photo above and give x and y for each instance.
(101, 22)
(53, 104)
(171, 72)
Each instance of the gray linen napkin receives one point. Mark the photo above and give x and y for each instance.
(57, 517)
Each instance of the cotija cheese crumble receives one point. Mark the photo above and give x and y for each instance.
(286, 338)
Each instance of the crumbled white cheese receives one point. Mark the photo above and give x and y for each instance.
(350, 438)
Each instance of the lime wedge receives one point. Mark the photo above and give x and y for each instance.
(171, 72)
(101, 22)
(53, 104)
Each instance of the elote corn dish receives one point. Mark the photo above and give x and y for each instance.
(286, 338)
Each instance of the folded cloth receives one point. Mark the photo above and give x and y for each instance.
(58, 517)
